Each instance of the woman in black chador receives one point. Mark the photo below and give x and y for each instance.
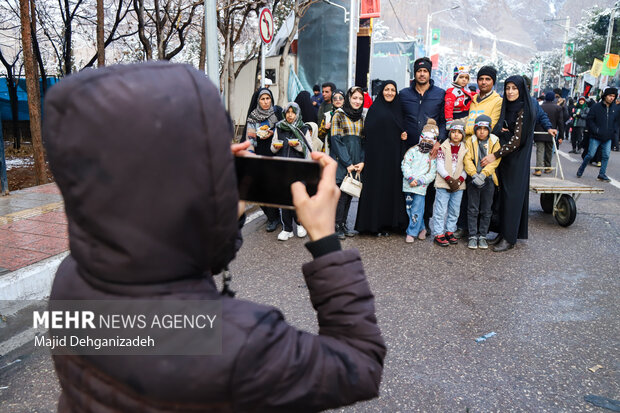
(516, 132)
(382, 206)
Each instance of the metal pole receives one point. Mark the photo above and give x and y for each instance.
(610, 30)
(262, 64)
(563, 52)
(213, 67)
(352, 38)
(429, 18)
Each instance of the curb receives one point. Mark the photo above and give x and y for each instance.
(33, 282)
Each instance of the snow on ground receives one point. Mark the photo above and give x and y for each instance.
(18, 163)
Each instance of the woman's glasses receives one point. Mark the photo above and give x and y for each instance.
(337, 98)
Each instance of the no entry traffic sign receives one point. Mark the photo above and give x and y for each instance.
(265, 25)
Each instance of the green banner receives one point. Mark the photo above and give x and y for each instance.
(436, 34)
(609, 68)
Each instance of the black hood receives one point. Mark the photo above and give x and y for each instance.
(142, 156)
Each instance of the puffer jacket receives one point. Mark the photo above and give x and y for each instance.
(153, 218)
(419, 166)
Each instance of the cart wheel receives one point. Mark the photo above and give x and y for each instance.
(546, 202)
(566, 210)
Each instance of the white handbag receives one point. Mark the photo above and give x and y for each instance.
(351, 185)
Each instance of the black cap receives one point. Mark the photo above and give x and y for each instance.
(423, 63)
(488, 71)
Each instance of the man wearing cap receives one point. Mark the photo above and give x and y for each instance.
(487, 102)
(420, 102)
(602, 123)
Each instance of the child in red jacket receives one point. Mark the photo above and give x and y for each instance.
(458, 97)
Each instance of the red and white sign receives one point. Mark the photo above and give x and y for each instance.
(265, 25)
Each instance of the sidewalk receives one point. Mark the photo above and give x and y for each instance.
(33, 231)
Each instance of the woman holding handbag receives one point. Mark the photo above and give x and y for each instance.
(347, 150)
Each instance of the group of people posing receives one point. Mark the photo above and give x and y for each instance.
(449, 161)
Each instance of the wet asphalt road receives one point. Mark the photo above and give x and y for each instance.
(552, 302)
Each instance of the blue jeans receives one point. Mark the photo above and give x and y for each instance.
(415, 209)
(593, 146)
(446, 203)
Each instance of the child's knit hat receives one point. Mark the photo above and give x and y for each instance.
(483, 121)
(430, 130)
(458, 124)
(460, 70)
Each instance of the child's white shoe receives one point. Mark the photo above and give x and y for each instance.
(285, 235)
(301, 231)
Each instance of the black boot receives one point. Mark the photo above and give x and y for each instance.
(503, 246)
(494, 241)
(340, 231)
(272, 226)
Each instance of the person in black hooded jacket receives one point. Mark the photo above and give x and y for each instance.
(156, 221)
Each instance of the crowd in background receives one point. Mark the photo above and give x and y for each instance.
(454, 162)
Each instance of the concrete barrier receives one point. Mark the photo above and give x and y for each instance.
(33, 282)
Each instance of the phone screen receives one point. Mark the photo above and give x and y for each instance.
(267, 181)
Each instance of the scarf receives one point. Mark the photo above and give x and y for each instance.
(294, 127)
(353, 114)
(259, 114)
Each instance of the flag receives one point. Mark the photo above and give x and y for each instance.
(586, 88)
(536, 79)
(610, 65)
(435, 36)
(597, 67)
(569, 49)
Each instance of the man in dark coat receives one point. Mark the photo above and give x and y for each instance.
(544, 142)
(602, 123)
(421, 101)
(156, 221)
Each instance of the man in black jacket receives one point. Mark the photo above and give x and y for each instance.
(544, 143)
(602, 123)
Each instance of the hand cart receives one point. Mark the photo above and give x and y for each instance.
(557, 195)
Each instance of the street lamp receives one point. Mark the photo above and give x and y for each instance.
(429, 18)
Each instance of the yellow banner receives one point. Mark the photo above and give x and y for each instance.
(597, 67)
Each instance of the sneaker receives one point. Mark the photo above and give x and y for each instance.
(473, 243)
(572, 151)
(285, 235)
(409, 239)
(301, 231)
(441, 240)
(340, 232)
(548, 170)
(451, 238)
(603, 178)
(537, 173)
(579, 173)
(597, 164)
(482, 243)
(422, 234)
(348, 232)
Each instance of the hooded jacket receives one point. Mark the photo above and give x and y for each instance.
(142, 156)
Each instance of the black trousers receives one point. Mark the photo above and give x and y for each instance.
(576, 137)
(479, 203)
(272, 214)
(342, 210)
(288, 217)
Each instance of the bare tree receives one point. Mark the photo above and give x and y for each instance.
(100, 35)
(299, 9)
(233, 16)
(32, 85)
(11, 80)
(168, 21)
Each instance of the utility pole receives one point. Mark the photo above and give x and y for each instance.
(213, 67)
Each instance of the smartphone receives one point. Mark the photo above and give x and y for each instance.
(267, 180)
